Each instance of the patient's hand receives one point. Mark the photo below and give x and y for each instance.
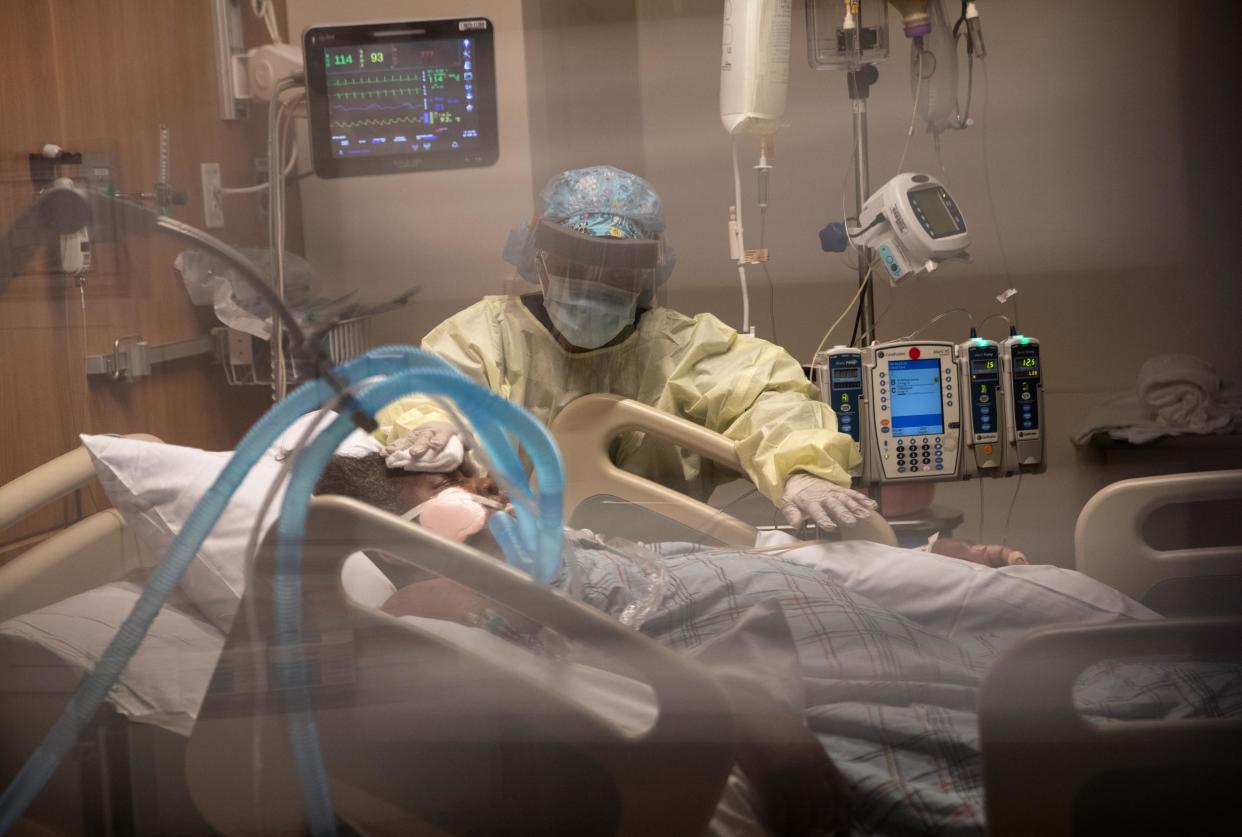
(800, 790)
(990, 555)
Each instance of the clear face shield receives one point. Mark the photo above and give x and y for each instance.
(593, 286)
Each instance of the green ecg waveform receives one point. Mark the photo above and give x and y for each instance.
(376, 80)
(379, 94)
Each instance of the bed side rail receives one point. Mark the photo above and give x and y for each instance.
(49, 482)
(1108, 539)
(585, 429)
(1044, 763)
(689, 746)
(94, 551)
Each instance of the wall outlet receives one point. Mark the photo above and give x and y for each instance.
(213, 197)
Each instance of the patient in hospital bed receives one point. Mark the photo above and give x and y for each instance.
(853, 668)
(876, 727)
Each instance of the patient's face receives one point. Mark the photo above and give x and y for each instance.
(418, 488)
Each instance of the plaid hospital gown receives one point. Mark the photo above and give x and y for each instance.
(892, 703)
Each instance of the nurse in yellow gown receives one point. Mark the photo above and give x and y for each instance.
(597, 252)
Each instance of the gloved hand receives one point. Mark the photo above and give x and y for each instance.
(826, 503)
(435, 447)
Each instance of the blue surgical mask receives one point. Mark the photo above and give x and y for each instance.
(588, 314)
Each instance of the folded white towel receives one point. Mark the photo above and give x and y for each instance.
(1183, 392)
(1174, 395)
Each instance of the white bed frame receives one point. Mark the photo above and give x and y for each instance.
(1109, 543)
(665, 780)
(584, 431)
(93, 551)
(1025, 702)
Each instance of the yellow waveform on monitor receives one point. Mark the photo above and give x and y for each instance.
(391, 120)
(427, 119)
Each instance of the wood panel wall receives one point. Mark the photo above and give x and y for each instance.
(102, 77)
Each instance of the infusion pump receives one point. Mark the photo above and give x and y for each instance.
(913, 428)
(934, 410)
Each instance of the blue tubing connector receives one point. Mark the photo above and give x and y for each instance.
(98, 683)
(539, 555)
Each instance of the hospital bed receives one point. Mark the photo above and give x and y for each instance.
(597, 776)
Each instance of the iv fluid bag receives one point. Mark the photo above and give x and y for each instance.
(937, 103)
(754, 65)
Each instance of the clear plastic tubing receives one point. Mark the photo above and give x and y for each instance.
(95, 687)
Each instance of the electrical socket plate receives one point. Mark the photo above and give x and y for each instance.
(213, 197)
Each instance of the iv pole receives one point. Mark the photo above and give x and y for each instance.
(859, 84)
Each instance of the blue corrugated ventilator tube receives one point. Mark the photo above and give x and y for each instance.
(532, 542)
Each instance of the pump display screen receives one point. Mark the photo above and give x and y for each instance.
(847, 375)
(936, 212)
(984, 367)
(390, 98)
(1025, 365)
(914, 387)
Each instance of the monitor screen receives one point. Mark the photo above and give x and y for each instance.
(932, 207)
(388, 98)
(914, 387)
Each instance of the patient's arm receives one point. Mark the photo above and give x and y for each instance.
(990, 555)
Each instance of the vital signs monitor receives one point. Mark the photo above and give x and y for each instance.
(913, 224)
(400, 97)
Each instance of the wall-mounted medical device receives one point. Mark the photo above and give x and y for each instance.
(913, 224)
(979, 369)
(839, 373)
(912, 425)
(1025, 420)
(63, 209)
(398, 97)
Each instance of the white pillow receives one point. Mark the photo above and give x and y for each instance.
(357, 443)
(155, 487)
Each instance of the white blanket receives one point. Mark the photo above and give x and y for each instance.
(959, 600)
